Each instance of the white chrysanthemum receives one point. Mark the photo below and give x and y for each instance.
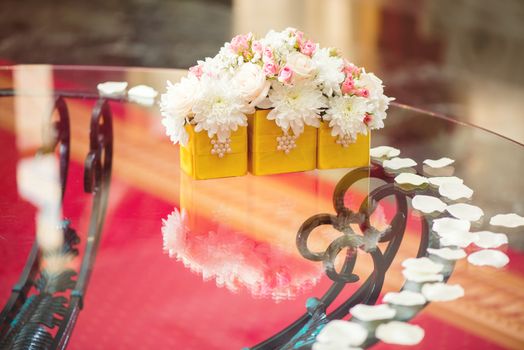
(296, 105)
(378, 103)
(346, 116)
(218, 109)
(329, 68)
(175, 106)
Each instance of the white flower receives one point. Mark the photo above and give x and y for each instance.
(372, 83)
(329, 69)
(250, 84)
(301, 65)
(280, 42)
(175, 106)
(218, 109)
(346, 116)
(296, 105)
(378, 103)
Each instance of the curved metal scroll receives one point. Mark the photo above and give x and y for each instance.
(301, 333)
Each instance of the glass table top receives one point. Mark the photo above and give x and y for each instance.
(105, 243)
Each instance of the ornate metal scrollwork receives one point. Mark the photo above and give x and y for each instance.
(301, 333)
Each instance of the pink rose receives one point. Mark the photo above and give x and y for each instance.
(367, 119)
(348, 85)
(308, 48)
(285, 75)
(270, 68)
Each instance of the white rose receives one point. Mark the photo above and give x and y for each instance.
(250, 84)
(301, 65)
(180, 97)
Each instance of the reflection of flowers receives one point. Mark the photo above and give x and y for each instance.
(236, 261)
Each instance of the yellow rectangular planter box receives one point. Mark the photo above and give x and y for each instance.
(264, 158)
(332, 155)
(197, 161)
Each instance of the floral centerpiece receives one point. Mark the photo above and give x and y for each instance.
(287, 89)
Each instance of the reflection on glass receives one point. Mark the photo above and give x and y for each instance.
(236, 261)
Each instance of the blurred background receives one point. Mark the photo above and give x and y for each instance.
(462, 58)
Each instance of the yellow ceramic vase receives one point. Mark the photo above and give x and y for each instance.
(204, 158)
(331, 154)
(264, 156)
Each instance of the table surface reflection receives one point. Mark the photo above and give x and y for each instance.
(214, 264)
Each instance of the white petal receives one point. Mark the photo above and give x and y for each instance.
(142, 91)
(384, 151)
(332, 346)
(424, 265)
(420, 277)
(507, 220)
(442, 291)
(399, 163)
(460, 239)
(428, 204)
(372, 312)
(450, 224)
(488, 257)
(405, 297)
(342, 333)
(410, 179)
(112, 88)
(465, 211)
(439, 163)
(401, 333)
(438, 181)
(448, 253)
(488, 239)
(455, 191)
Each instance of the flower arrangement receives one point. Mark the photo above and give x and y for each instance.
(298, 82)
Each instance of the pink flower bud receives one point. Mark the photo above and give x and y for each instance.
(348, 85)
(367, 119)
(256, 46)
(270, 68)
(196, 70)
(240, 43)
(268, 54)
(349, 68)
(299, 37)
(362, 92)
(308, 48)
(285, 75)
